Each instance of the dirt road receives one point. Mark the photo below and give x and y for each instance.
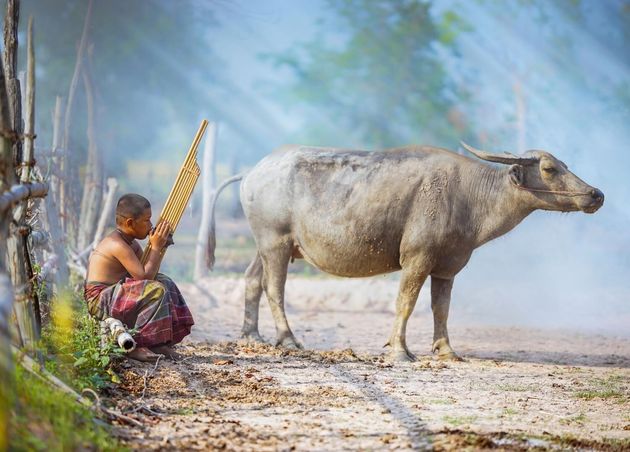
(519, 388)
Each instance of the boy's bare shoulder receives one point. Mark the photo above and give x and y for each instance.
(114, 243)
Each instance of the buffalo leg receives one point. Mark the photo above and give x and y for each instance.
(440, 302)
(410, 284)
(275, 265)
(253, 292)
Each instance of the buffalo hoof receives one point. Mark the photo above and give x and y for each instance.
(401, 356)
(253, 336)
(451, 356)
(290, 343)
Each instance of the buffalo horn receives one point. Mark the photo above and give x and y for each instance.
(506, 157)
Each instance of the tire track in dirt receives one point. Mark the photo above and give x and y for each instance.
(416, 430)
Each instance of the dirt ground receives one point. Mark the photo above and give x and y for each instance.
(518, 388)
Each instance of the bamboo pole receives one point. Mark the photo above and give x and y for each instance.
(182, 189)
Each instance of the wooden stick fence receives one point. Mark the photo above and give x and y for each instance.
(182, 189)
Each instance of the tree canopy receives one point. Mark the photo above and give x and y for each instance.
(380, 80)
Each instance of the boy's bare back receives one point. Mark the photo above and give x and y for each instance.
(105, 262)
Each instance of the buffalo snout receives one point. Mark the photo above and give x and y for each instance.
(596, 200)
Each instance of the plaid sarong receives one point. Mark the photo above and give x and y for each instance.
(155, 309)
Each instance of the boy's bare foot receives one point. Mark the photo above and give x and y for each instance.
(143, 354)
(166, 350)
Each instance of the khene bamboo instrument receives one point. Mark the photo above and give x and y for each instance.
(182, 190)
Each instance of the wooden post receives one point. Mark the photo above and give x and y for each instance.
(6, 366)
(93, 182)
(54, 211)
(25, 301)
(29, 112)
(7, 178)
(209, 182)
(57, 153)
(9, 57)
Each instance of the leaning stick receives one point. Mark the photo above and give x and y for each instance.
(179, 196)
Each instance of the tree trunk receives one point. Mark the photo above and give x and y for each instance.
(70, 178)
(54, 211)
(209, 182)
(93, 183)
(108, 210)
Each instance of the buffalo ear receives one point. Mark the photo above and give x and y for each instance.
(516, 174)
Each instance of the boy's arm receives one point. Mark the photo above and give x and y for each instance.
(130, 260)
(137, 249)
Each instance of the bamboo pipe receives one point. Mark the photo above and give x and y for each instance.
(182, 192)
(174, 211)
(180, 185)
(183, 187)
(190, 158)
(190, 180)
(175, 208)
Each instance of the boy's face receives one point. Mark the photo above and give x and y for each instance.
(141, 225)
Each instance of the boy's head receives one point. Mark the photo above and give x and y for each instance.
(133, 214)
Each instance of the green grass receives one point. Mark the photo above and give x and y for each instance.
(579, 419)
(509, 412)
(456, 421)
(604, 388)
(44, 419)
(517, 388)
(441, 401)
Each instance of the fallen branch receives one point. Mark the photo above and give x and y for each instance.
(144, 390)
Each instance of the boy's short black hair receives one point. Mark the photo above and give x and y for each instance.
(131, 205)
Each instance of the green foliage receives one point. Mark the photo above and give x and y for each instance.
(45, 419)
(146, 60)
(385, 84)
(76, 345)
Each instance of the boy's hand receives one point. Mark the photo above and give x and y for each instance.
(159, 236)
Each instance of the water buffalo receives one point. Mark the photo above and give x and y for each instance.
(419, 209)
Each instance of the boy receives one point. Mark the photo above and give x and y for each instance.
(119, 286)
